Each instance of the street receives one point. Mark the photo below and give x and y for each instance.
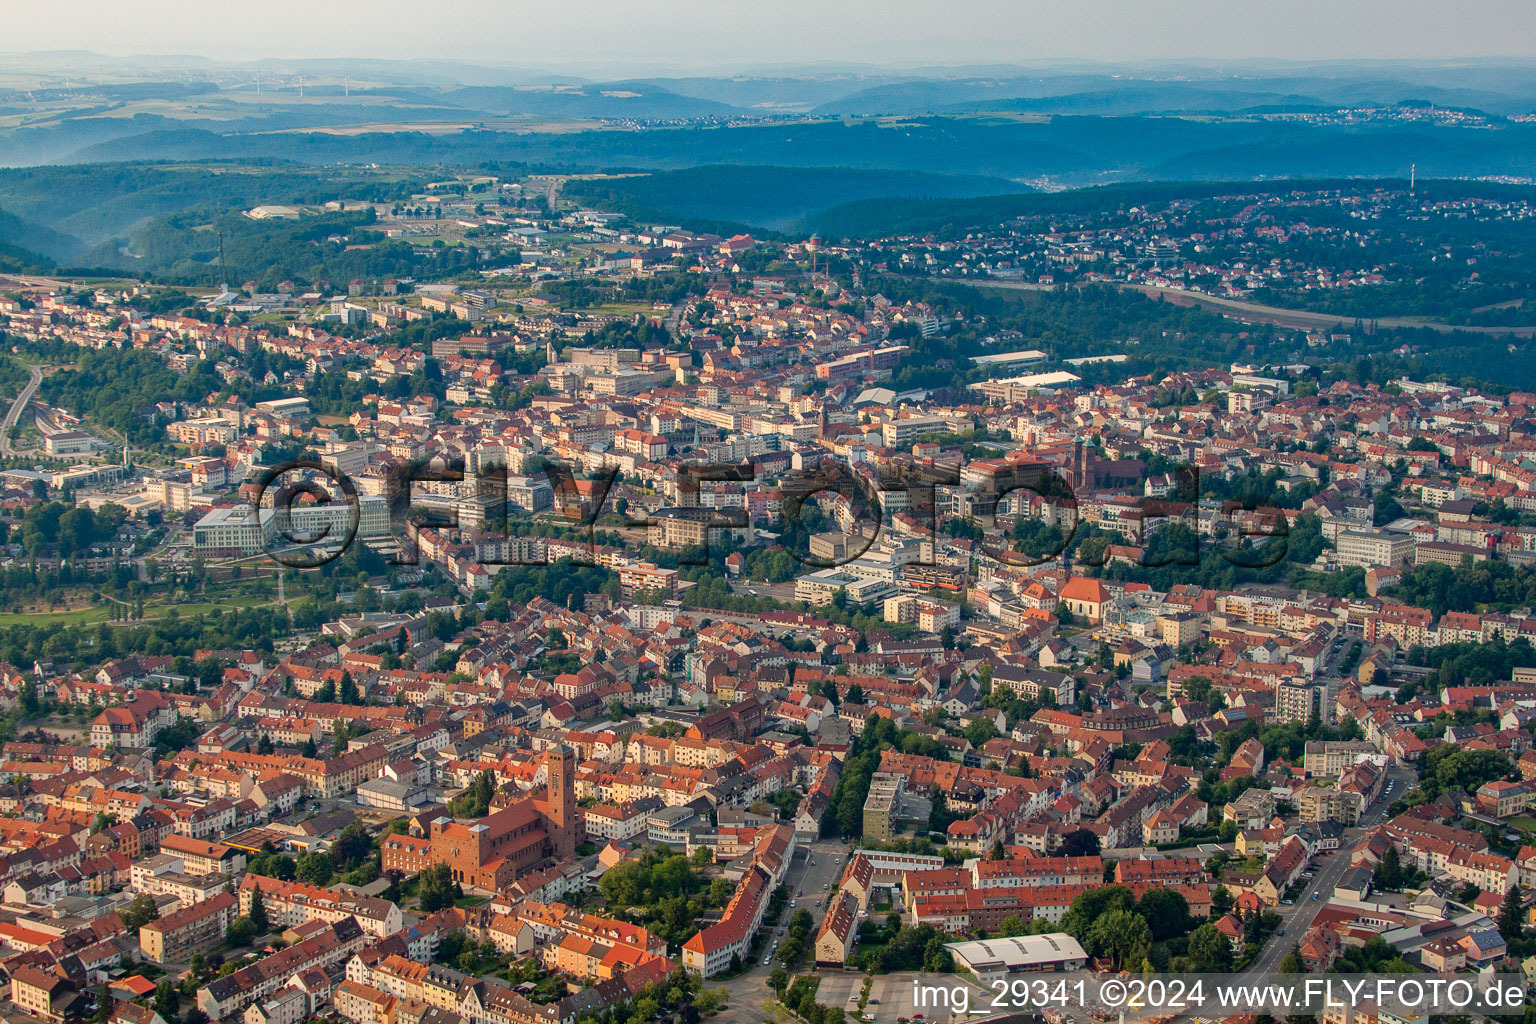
(17, 408)
(749, 990)
(1295, 920)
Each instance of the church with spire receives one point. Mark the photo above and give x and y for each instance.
(492, 852)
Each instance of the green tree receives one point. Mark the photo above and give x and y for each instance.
(140, 912)
(1209, 951)
(258, 913)
(167, 1000)
(1122, 936)
(240, 932)
(1166, 913)
(1512, 916)
(315, 869)
(436, 889)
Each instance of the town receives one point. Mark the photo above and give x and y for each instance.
(585, 620)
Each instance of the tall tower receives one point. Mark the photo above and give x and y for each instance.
(1082, 464)
(565, 831)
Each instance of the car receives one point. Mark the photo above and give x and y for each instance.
(791, 904)
(767, 960)
(1316, 895)
(873, 1002)
(1279, 931)
(1286, 902)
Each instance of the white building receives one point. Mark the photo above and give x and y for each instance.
(992, 959)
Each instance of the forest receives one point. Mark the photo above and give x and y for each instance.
(117, 390)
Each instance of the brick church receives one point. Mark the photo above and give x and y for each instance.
(490, 853)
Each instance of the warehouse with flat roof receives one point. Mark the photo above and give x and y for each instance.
(990, 959)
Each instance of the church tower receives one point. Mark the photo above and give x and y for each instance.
(1082, 465)
(565, 831)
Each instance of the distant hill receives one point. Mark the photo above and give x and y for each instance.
(639, 100)
(867, 219)
(1092, 93)
(771, 197)
(28, 246)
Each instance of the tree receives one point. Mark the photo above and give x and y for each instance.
(140, 912)
(167, 1000)
(1122, 936)
(980, 730)
(1389, 873)
(1209, 951)
(1511, 916)
(437, 889)
(1166, 913)
(315, 868)
(352, 847)
(1080, 843)
(778, 978)
(240, 932)
(475, 801)
(259, 912)
(1088, 907)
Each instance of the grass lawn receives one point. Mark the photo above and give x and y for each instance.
(101, 613)
(1524, 823)
(80, 616)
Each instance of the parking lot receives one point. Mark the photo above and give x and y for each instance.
(891, 996)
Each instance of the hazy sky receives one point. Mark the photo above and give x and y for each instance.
(715, 34)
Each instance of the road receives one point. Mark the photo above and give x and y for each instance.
(777, 591)
(1258, 313)
(1295, 920)
(749, 990)
(17, 407)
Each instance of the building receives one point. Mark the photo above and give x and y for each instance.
(44, 994)
(994, 959)
(839, 929)
(712, 950)
(175, 937)
(69, 442)
(1086, 597)
(672, 529)
(900, 433)
(241, 530)
(491, 852)
(289, 904)
(1370, 548)
(823, 586)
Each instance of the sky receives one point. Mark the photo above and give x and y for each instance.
(716, 35)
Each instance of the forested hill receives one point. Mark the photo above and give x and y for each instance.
(956, 217)
(771, 197)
